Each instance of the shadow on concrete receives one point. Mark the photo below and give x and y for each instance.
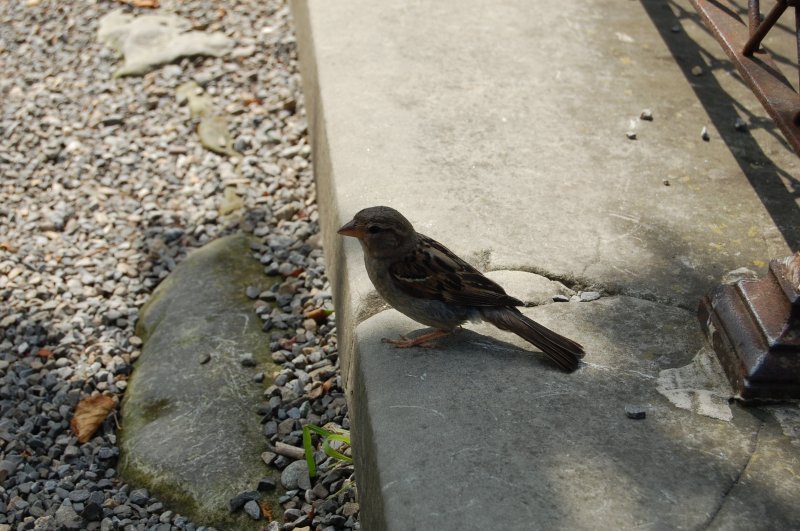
(553, 448)
(746, 482)
(765, 178)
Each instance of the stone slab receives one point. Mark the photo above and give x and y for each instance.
(153, 39)
(190, 434)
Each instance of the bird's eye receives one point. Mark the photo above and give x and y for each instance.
(373, 229)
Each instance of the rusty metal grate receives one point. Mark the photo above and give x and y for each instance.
(742, 42)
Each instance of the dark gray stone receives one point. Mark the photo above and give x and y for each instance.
(139, 496)
(295, 475)
(252, 292)
(190, 447)
(635, 412)
(320, 492)
(237, 502)
(123, 511)
(252, 510)
(267, 484)
(67, 518)
(77, 496)
(93, 508)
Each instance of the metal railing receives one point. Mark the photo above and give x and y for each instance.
(742, 43)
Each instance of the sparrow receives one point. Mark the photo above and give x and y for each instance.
(424, 280)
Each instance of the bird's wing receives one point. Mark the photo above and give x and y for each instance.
(432, 271)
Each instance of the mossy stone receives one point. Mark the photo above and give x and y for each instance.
(190, 434)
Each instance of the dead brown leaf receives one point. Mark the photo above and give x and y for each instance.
(250, 99)
(90, 414)
(266, 510)
(318, 314)
(321, 389)
(150, 4)
(96, 251)
(315, 392)
(7, 247)
(45, 352)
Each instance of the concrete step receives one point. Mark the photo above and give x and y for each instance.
(499, 129)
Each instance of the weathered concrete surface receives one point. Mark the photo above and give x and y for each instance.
(188, 430)
(499, 129)
(483, 431)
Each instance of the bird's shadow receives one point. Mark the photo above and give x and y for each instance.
(468, 343)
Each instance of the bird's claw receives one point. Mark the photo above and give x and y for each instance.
(424, 341)
(404, 342)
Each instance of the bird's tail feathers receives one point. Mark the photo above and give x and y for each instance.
(563, 351)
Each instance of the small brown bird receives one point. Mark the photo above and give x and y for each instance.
(423, 279)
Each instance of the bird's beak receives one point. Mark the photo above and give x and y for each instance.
(350, 229)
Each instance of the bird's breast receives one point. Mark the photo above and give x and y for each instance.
(430, 312)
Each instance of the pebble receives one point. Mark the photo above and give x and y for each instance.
(350, 508)
(588, 296)
(704, 134)
(635, 412)
(697, 70)
(266, 484)
(7, 468)
(740, 125)
(238, 502)
(67, 518)
(296, 476)
(646, 115)
(77, 496)
(252, 510)
(139, 497)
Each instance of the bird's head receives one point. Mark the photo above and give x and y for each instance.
(382, 231)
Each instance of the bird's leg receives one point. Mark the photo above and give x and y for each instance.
(423, 341)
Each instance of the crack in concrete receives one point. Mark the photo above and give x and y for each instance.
(608, 290)
(725, 495)
(577, 283)
(481, 259)
(373, 304)
(572, 282)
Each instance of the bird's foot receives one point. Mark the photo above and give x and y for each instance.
(424, 341)
(404, 342)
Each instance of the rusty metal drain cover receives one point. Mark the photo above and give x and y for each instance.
(754, 327)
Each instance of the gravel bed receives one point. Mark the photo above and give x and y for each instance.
(104, 189)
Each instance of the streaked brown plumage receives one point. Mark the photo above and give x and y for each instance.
(426, 281)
